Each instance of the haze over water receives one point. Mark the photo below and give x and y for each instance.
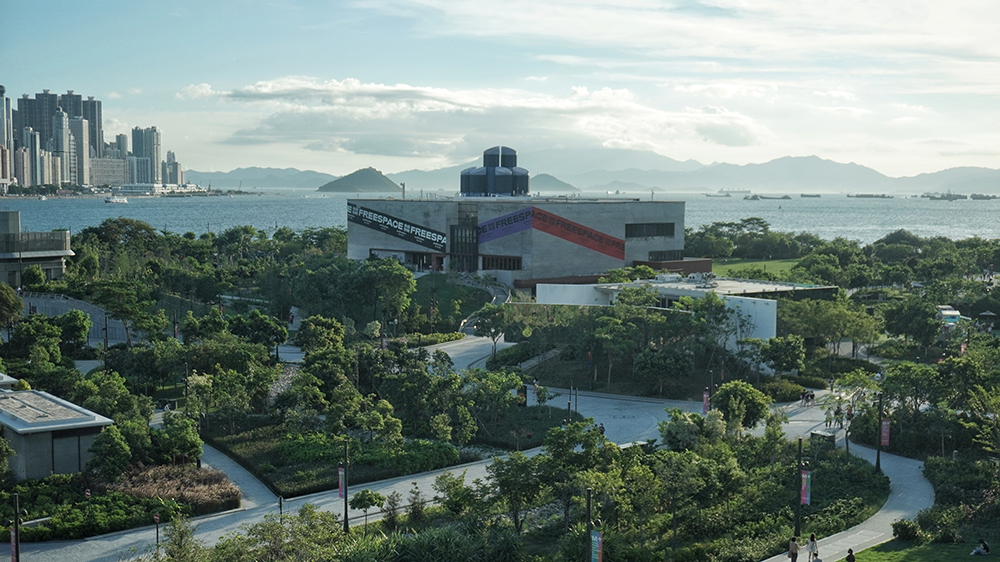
(831, 216)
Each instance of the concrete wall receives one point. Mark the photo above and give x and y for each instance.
(571, 295)
(32, 454)
(763, 313)
(543, 255)
(54, 305)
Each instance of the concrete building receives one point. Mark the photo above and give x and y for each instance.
(93, 113)
(63, 146)
(6, 142)
(108, 171)
(146, 144)
(519, 240)
(49, 435)
(19, 250)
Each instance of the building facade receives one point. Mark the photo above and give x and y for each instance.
(19, 250)
(48, 434)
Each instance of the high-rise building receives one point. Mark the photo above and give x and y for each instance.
(37, 113)
(172, 171)
(138, 170)
(61, 145)
(22, 167)
(121, 142)
(112, 172)
(81, 137)
(92, 113)
(146, 144)
(31, 142)
(6, 141)
(72, 104)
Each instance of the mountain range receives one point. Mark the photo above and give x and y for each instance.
(634, 170)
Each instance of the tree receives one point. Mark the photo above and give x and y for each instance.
(742, 405)
(75, 326)
(987, 405)
(491, 321)
(318, 332)
(179, 441)
(643, 296)
(785, 353)
(33, 277)
(365, 500)
(110, 455)
(259, 328)
(179, 543)
(516, 482)
(6, 452)
(11, 305)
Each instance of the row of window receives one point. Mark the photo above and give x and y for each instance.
(649, 229)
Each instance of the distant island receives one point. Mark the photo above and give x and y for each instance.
(365, 180)
(546, 182)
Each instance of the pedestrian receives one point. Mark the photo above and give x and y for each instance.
(982, 550)
(793, 549)
(601, 428)
(829, 418)
(838, 415)
(812, 547)
(850, 556)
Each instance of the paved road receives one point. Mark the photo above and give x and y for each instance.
(626, 419)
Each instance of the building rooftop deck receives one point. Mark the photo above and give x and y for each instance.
(33, 411)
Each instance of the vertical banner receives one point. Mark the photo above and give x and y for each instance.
(805, 492)
(705, 403)
(885, 432)
(340, 482)
(596, 546)
(13, 544)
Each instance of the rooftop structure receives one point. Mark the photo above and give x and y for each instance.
(48, 434)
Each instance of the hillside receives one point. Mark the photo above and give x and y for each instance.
(547, 183)
(365, 180)
(253, 177)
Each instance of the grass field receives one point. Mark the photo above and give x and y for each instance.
(777, 267)
(897, 551)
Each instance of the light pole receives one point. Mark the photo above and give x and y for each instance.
(347, 525)
(798, 493)
(878, 437)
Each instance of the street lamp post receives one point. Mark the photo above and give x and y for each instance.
(878, 437)
(347, 527)
(798, 493)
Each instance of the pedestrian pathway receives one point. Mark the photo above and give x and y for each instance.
(909, 490)
(626, 419)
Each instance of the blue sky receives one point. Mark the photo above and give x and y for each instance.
(902, 87)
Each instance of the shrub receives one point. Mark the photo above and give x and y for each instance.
(419, 340)
(415, 509)
(390, 510)
(781, 390)
(906, 530)
(205, 490)
(818, 383)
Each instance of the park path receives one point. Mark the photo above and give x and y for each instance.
(626, 419)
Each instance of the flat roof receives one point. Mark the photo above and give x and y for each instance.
(694, 284)
(34, 411)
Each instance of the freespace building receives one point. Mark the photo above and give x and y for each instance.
(495, 227)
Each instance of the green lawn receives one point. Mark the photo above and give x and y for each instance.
(770, 266)
(897, 551)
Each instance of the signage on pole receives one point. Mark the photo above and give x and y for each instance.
(340, 482)
(87, 492)
(805, 493)
(885, 432)
(705, 398)
(596, 546)
(13, 544)
(156, 518)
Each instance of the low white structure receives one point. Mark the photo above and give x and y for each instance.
(749, 297)
(48, 434)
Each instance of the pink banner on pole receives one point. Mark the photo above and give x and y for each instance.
(705, 403)
(805, 492)
(885, 433)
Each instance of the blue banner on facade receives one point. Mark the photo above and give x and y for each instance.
(505, 225)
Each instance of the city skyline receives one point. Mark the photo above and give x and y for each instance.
(903, 88)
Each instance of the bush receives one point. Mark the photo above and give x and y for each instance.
(205, 490)
(906, 530)
(419, 340)
(781, 390)
(517, 354)
(818, 383)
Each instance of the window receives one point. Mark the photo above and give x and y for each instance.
(666, 255)
(464, 248)
(648, 229)
(505, 263)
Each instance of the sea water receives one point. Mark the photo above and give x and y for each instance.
(829, 216)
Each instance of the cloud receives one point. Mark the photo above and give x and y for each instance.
(134, 91)
(837, 94)
(113, 95)
(419, 121)
(910, 108)
(725, 90)
(536, 78)
(197, 91)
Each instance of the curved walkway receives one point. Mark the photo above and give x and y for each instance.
(626, 419)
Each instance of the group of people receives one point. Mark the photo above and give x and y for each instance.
(807, 398)
(838, 416)
(812, 549)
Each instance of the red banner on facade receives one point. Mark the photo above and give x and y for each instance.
(577, 233)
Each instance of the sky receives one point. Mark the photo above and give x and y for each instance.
(904, 87)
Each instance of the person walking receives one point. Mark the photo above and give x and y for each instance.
(812, 547)
(793, 549)
(850, 555)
